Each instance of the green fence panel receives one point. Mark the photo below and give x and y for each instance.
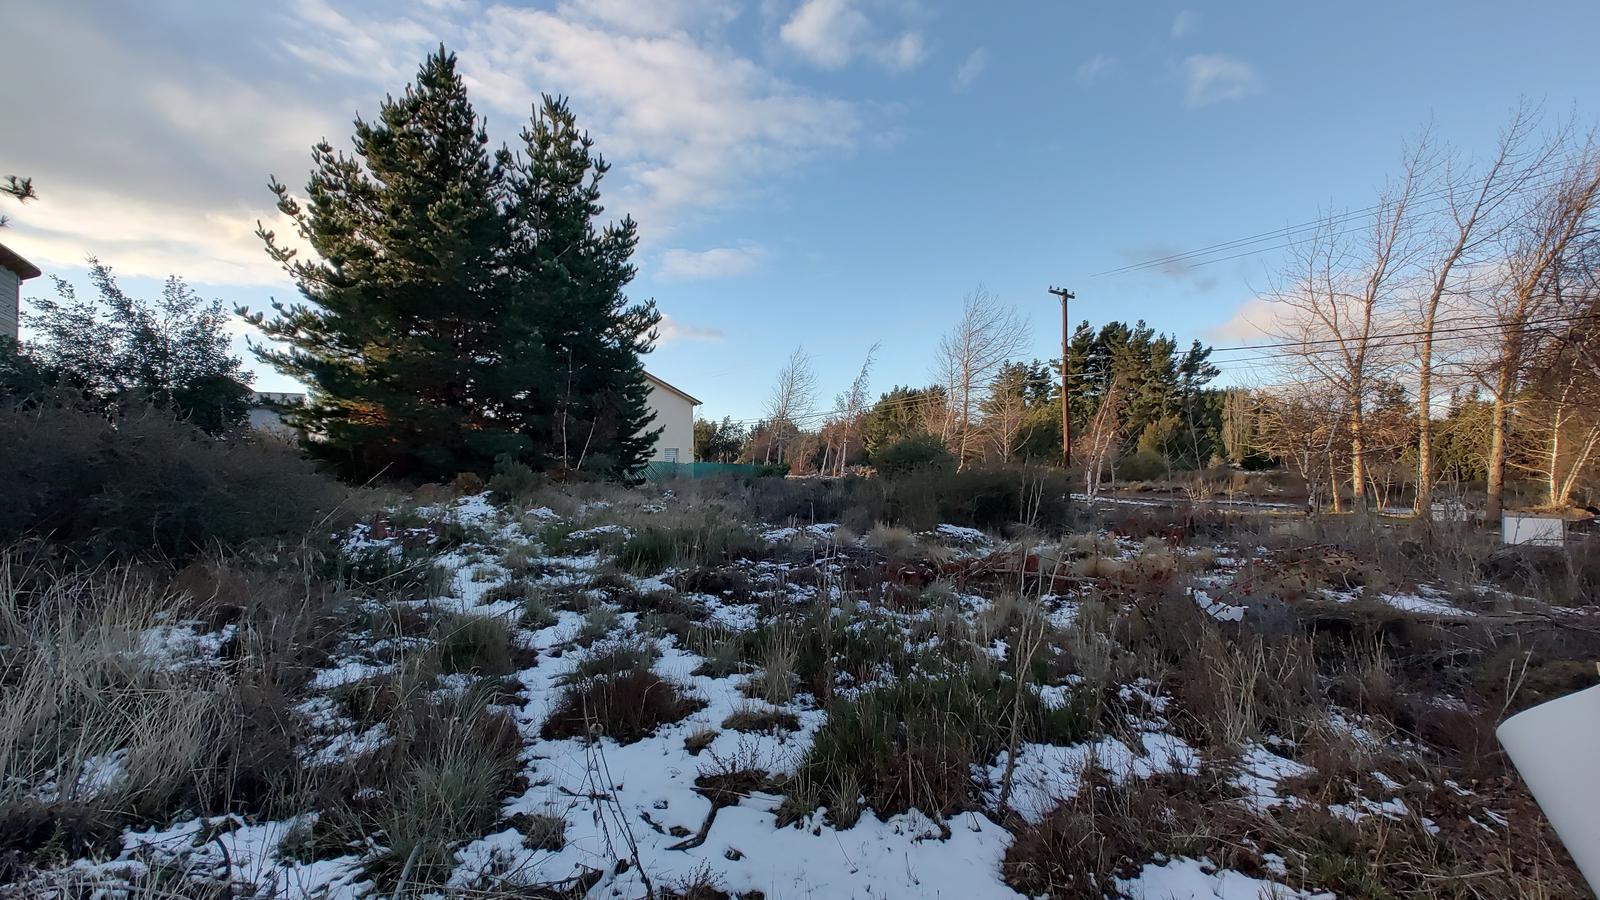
(661, 471)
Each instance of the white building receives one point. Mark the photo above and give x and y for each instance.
(14, 270)
(674, 411)
(264, 412)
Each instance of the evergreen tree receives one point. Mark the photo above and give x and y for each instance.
(719, 442)
(590, 400)
(463, 307)
(898, 414)
(406, 308)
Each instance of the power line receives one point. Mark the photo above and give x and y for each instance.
(1333, 220)
(1417, 337)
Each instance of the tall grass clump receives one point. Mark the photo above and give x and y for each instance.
(97, 728)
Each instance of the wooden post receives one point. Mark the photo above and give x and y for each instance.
(1066, 416)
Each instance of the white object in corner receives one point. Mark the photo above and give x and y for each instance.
(1556, 747)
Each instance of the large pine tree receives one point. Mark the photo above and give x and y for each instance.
(589, 408)
(462, 306)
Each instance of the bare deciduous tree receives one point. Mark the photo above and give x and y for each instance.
(1475, 200)
(1300, 426)
(848, 408)
(969, 356)
(1100, 442)
(1340, 293)
(793, 396)
(1537, 244)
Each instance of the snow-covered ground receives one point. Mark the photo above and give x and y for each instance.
(639, 801)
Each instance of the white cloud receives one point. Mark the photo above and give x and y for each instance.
(718, 262)
(904, 53)
(156, 166)
(825, 32)
(1185, 23)
(972, 67)
(690, 124)
(1212, 77)
(670, 330)
(831, 34)
(1091, 70)
(1257, 320)
(655, 16)
(155, 156)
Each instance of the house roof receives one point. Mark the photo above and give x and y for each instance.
(684, 394)
(10, 260)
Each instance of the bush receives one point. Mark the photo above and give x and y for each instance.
(445, 786)
(990, 498)
(1143, 466)
(656, 547)
(625, 707)
(913, 453)
(913, 743)
(476, 645)
(145, 484)
(513, 480)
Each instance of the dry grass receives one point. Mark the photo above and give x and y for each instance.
(625, 707)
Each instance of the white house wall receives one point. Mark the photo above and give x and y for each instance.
(10, 289)
(675, 416)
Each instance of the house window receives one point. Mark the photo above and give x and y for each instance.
(672, 454)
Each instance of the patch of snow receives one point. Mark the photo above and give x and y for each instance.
(177, 647)
(601, 531)
(1047, 775)
(1185, 878)
(1260, 773)
(347, 673)
(961, 533)
(1425, 601)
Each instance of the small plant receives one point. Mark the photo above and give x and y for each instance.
(536, 615)
(613, 657)
(446, 788)
(778, 658)
(768, 720)
(601, 621)
(898, 544)
(699, 739)
(542, 831)
(625, 707)
(513, 481)
(475, 645)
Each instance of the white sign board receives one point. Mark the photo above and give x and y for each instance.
(1541, 531)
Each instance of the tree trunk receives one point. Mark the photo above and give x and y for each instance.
(1424, 504)
(1564, 494)
(1333, 485)
(1358, 470)
(1494, 500)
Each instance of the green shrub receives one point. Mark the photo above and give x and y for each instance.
(657, 547)
(513, 480)
(613, 658)
(1142, 466)
(913, 743)
(446, 788)
(913, 453)
(476, 645)
(145, 484)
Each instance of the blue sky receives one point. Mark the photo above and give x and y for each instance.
(826, 173)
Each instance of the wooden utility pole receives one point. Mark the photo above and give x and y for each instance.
(1066, 416)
